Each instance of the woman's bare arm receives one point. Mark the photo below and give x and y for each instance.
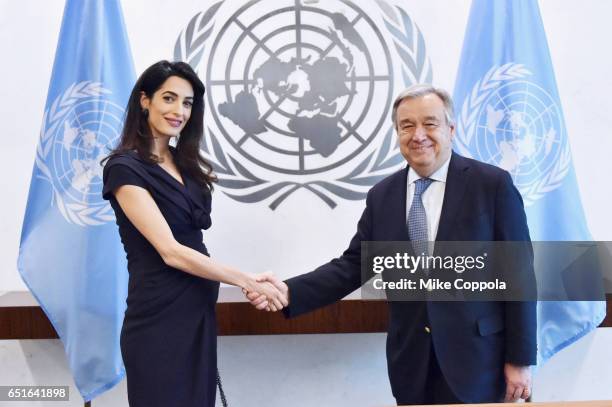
(140, 208)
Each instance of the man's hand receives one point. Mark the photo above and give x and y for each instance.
(259, 300)
(518, 382)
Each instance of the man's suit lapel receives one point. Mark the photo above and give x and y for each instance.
(456, 183)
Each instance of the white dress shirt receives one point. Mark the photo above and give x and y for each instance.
(432, 198)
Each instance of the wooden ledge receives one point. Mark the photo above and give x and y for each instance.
(240, 318)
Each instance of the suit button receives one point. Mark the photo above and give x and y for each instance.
(427, 330)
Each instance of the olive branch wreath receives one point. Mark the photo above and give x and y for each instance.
(248, 188)
(467, 121)
(76, 213)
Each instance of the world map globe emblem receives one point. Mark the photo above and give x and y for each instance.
(80, 129)
(81, 143)
(298, 91)
(519, 128)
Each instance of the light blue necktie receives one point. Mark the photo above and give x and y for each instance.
(417, 219)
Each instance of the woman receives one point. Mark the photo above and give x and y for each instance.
(162, 199)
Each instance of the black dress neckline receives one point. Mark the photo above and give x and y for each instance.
(182, 184)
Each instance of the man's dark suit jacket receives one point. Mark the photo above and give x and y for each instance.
(472, 340)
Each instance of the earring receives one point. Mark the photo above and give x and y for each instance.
(145, 112)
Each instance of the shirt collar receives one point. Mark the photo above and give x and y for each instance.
(439, 175)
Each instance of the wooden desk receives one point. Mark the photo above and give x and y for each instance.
(596, 403)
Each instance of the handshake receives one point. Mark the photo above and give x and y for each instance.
(266, 292)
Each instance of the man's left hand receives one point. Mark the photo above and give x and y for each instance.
(518, 382)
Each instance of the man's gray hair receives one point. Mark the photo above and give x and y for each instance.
(422, 89)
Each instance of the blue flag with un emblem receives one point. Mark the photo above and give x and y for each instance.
(70, 255)
(509, 115)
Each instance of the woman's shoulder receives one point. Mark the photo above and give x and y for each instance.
(122, 162)
(128, 158)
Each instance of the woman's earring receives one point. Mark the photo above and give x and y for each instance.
(145, 112)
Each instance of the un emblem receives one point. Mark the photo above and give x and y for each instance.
(299, 94)
(76, 134)
(513, 123)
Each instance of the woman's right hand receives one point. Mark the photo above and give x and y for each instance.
(275, 299)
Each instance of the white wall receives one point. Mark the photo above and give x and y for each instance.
(578, 36)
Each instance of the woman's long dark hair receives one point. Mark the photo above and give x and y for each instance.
(136, 134)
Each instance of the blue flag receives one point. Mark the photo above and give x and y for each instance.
(509, 114)
(70, 255)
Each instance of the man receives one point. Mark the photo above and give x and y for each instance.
(437, 352)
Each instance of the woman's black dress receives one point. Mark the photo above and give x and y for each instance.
(168, 339)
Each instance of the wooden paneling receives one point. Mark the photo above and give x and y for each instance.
(607, 322)
(351, 316)
(25, 323)
(342, 317)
